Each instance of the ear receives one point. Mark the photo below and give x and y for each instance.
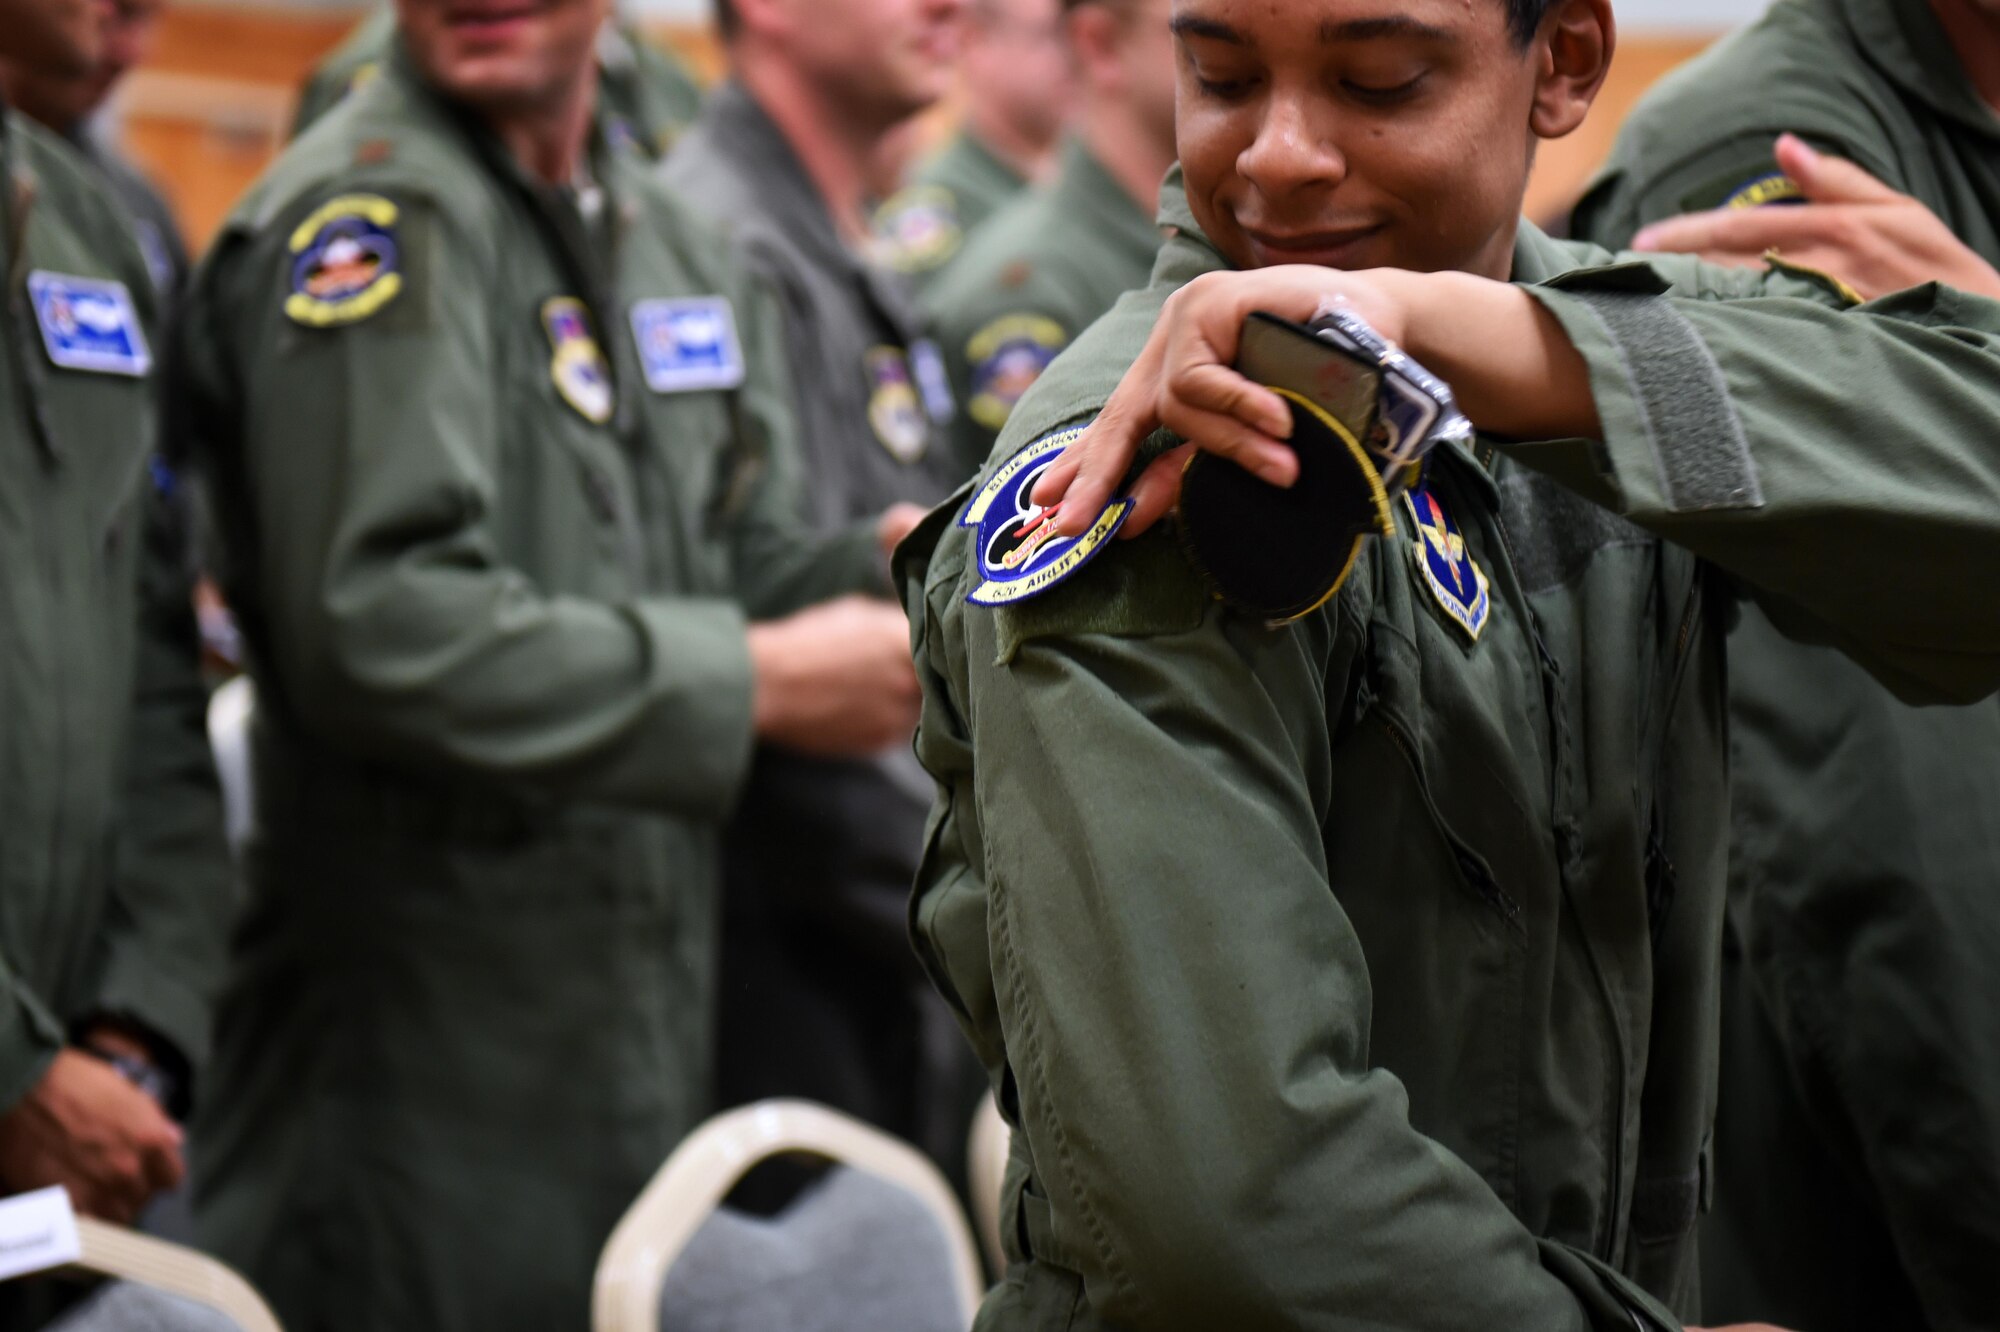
(1573, 50)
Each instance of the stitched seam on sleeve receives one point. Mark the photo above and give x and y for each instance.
(1691, 425)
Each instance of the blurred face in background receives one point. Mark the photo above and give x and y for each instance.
(60, 39)
(1015, 66)
(504, 56)
(878, 61)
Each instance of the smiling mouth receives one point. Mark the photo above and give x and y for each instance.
(478, 18)
(1328, 248)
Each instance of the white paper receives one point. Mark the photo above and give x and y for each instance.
(37, 1232)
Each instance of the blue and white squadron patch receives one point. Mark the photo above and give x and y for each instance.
(1007, 356)
(576, 364)
(89, 324)
(1021, 555)
(345, 261)
(688, 343)
(893, 407)
(1446, 562)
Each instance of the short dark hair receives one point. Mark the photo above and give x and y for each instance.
(1524, 17)
(727, 21)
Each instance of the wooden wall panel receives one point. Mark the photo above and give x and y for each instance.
(212, 106)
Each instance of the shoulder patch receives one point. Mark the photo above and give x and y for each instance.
(916, 229)
(576, 363)
(89, 324)
(688, 343)
(1019, 551)
(1446, 564)
(1745, 185)
(346, 264)
(1774, 188)
(1008, 355)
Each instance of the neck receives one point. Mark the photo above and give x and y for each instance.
(1132, 157)
(996, 135)
(834, 150)
(548, 138)
(1975, 35)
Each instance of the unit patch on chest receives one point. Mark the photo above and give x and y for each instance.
(1021, 554)
(893, 408)
(687, 344)
(89, 324)
(1446, 563)
(345, 261)
(917, 228)
(576, 363)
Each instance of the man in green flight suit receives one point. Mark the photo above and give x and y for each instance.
(1055, 259)
(504, 460)
(114, 883)
(646, 96)
(1013, 79)
(1360, 971)
(1858, 1135)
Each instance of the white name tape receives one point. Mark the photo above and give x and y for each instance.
(37, 1232)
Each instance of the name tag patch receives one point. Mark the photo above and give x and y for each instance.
(688, 344)
(89, 324)
(1021, 555)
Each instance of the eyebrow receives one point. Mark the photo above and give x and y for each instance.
(1353, 30)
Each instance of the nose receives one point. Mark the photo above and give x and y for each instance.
(1294, 148)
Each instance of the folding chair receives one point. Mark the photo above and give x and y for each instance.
(986, 1151)
(219, 1295)
(679, 1212)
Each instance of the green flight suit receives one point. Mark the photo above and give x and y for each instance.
(1038, 273)
(1360, 973)
(921, 227)
(1858, 1144)
(647, 97)
(822, 997)
(115, 889)
(493, 530)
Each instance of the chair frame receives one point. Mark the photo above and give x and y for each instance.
(127, 1255)
(633, 1269)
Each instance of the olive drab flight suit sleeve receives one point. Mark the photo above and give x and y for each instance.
(1253, 1171)
(172, 890)
(1763, 435)
(397, 630)
(780, 566)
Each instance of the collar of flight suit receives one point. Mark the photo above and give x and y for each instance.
(1084, 189)
(748, 135)
(1904, 39)
(986, 162)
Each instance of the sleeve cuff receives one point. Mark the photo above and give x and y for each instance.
(29, 1040)
(139, 990)
(699, 745)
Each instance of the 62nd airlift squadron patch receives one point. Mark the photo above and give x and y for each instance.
(345, 262)
(1020, 553)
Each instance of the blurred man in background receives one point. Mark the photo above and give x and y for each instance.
(1053, 260)
(504, 460)
(114, 884)
(66, 103)
(821, 993)
(645, 95)
(1014, 79)
(1858, 1133)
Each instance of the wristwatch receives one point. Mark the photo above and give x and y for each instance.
(147, 1076)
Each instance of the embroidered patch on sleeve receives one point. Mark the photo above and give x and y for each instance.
(345, 261)
(89, 324)
(688, 343)
(1008, 355)
(1773, 188)
(1020, 553)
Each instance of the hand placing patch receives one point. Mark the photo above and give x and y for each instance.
(345, 261)
(1021, 554)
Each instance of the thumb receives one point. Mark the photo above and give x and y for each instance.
(1824, 178)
